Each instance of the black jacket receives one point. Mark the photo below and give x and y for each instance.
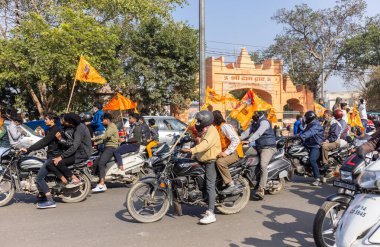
(49, 141)
(67, 138)
(145, 134)
(82, 146)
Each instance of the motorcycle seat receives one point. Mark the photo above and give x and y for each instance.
(277, 155)
(124, 155)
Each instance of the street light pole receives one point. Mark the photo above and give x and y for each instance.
(202, 61)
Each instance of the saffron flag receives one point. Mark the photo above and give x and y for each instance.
(319, 110)
(355, 119)
(244, 110)
(1, 120)
(119, 102)
(212, 96)
(87, 73)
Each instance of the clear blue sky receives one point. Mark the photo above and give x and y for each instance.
(248, 23)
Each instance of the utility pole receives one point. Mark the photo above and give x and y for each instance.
(323, 75)
(202, 60)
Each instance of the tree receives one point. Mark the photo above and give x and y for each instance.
(161, 64)
(312, 39)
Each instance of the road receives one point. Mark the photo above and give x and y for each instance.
(279, 220)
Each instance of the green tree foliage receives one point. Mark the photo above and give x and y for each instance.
(312, 39)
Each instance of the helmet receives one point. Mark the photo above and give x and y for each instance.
(257, 115)
(310, 117)
(85, 117)
(338, 114)
(204, 119)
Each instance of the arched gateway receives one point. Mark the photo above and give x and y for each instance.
(266, 80)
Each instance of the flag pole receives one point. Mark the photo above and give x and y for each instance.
(71, 96)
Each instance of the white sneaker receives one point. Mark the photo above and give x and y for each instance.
(99, 188)
(119, 172)
(208, 218)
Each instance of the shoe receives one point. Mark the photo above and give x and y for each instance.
(46, 204)
(208, 218)
(41, 198)
(229, 190)
(316, 183)
(73, 184)
(99, 188)
(119, 172)
(260, 193)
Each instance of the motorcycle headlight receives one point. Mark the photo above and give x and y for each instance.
(375, 237)
(368, 179)
(346, 176)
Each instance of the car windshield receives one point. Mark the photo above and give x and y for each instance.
(174, 124)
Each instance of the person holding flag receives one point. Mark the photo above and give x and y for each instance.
(262, 134)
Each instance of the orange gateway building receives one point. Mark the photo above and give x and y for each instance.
(266, 80)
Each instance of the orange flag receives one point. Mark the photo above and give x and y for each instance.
(212, 96)
(1, 120)
(319, 110)
(355, 120)
(244, 110)
(119, 102)
(87, 73)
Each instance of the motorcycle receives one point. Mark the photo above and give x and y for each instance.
(298, 154)
(360, 225)
(134, 164)
(331, 211)
(18, 173)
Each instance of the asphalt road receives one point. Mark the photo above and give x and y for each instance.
(280, 220)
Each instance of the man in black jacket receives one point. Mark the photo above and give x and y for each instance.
(79, 151)
(51, 142)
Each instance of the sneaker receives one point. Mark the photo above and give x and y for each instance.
(229, 190)
(73, 184)
(260, 193)
(316, 183)
(119, 172)
(99, 188)
(46, 204)
(208, 218)
(41, 198)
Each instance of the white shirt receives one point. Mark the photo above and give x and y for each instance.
(14, 134)
(345, 118)
(229, 132)
(362, 112)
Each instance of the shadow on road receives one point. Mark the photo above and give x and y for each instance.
(314, 195)
(292, 228)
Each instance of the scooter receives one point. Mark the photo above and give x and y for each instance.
(360, 223)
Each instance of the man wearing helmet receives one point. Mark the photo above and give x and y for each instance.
(332, 134)
(262, 134)
(313, 138)
(206, 152)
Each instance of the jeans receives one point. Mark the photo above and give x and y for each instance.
(101, 162)
(42, 173)
(364, 122)
(210, 184)
(314, 156)
(123, 149)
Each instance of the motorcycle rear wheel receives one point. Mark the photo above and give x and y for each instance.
(78, 194)
(280, 187)
(240, 203)
(7, 191)
(146, 212)
(328, 211)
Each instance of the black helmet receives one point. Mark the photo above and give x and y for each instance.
(257, 115)
(204, 119)
(310, 117)
(85, 117)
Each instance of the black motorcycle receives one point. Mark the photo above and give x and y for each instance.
(298, 154)
(18, 173)
(331, 211)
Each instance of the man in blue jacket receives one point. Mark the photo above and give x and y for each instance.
(298, 127)
(96, 123)
(332, 133)
(313, 138)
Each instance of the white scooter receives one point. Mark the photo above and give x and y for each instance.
(360, 223)
(135, 166)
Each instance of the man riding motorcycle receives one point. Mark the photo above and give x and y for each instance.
(206, 152)
(332, 133)
(262, 134)
(313, 138)
(232, 150)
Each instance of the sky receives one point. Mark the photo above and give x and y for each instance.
(232, 24)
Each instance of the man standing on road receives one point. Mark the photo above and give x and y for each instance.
(262, 134)
(363, 114)
(206, 152)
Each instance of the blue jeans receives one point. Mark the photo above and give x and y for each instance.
(42, 173)
(364, 122)
(314, 156)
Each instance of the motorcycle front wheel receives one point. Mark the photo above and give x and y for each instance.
(7, 191)
(326, 222)
(145, 204)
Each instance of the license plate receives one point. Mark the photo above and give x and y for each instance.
(344, 185)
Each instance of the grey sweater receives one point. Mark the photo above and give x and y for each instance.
(82, 146)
